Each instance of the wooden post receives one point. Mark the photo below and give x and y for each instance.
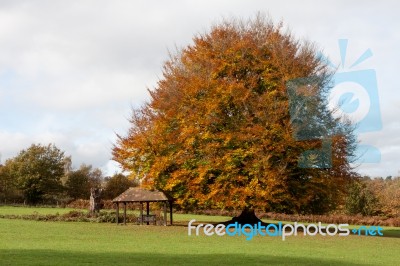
(141, 213)
(124, 213)
(165, 213)
(170, 212)
(147, 211)
(117, 212)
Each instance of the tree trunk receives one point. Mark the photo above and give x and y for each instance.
(94, 200)
(247, 216)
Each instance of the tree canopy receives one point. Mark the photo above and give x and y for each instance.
(80, 181)
(37, 171)
(116, 184)
(221, 129)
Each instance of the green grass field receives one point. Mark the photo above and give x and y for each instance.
(71, 243)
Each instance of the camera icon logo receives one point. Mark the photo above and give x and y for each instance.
(354, 95)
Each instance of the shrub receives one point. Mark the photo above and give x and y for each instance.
(361, 200)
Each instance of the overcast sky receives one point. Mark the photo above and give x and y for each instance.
(70, 71)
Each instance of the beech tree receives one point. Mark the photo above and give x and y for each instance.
(220, 130)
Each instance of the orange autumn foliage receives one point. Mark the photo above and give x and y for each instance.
(217, 131)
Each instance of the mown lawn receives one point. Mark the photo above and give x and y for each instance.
(72, 243)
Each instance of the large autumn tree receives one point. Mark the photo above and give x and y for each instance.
(226, 126)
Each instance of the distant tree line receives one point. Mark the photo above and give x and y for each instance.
(374, 196)
(43, 174)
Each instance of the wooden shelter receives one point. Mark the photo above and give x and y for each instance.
(141, 195)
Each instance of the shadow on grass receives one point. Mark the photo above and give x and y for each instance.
(394, 233)
(49, 257)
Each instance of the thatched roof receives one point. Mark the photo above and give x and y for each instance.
(135, 194)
